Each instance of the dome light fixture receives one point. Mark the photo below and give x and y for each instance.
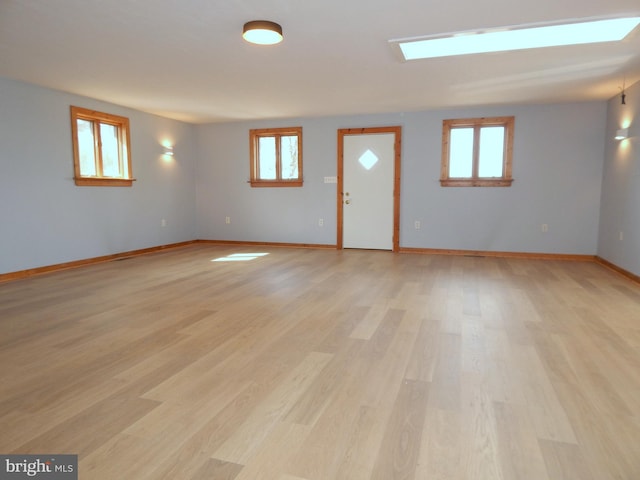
(262, 32)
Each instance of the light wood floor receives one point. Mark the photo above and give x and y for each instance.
(323, 365)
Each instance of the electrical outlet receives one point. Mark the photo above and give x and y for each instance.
(163, 222)
(227, 220)
(321, 222)
(544, 228)
(416, 224)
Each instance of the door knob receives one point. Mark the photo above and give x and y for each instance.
(347, 202)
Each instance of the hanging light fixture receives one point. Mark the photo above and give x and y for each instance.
(262, 32)
(623, 96)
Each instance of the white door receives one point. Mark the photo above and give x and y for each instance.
(368, 197)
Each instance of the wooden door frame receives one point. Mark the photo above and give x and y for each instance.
(397, 149)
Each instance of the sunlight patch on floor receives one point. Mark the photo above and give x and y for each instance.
(239, 257)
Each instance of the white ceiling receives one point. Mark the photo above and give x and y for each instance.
(185, 59)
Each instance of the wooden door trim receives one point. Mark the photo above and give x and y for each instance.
(397, 149)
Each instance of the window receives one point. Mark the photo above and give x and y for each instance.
(101, 149)
(477, 152)
(276, 157)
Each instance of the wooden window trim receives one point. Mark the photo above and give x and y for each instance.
(103, 182)
(254, 137)
(124, 145)
(476, 123)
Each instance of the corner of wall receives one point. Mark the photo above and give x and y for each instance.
(619, 232)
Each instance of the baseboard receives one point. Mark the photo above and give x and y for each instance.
(21, 274)
(6, 277)
(620, 270)
(268, 244)
(481, 253)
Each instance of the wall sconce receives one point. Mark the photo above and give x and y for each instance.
(167, 150)
(622, 133)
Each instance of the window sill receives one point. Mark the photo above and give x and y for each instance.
(460, 182)
(276, 183)
(103, 182)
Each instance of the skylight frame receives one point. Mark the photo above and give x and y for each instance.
(518, 37)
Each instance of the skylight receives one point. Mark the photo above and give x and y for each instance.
(517, 38)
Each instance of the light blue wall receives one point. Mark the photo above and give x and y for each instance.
(288, 215)
(558, 152)
(45, 219)
(620, 205)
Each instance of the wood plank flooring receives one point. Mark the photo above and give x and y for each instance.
(320, 365)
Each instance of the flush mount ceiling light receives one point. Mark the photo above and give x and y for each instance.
(516, 38)
(262, 32)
